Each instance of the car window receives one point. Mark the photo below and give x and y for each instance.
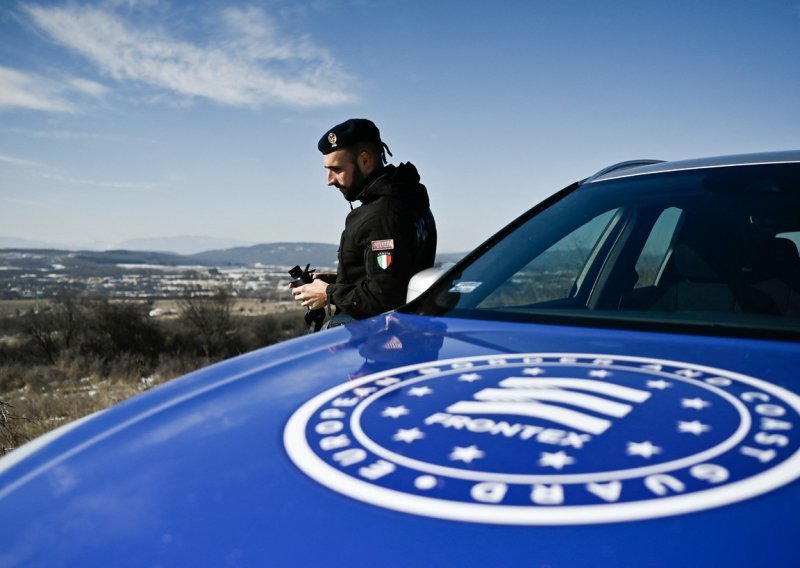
(553, 274)
(714, 248)
(658, 246)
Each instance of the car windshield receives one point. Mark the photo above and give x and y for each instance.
(713, 248)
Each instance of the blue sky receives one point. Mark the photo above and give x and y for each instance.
(125, 119)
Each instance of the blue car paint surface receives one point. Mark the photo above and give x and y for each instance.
(196, 472)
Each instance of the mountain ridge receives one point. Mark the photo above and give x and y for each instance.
(281, 254)
(321, 255)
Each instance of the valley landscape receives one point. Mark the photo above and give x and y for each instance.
(82, 330)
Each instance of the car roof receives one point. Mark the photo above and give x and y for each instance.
(647, 167)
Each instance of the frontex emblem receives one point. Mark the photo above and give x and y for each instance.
(549, 438)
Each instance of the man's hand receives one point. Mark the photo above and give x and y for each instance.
(313, 295)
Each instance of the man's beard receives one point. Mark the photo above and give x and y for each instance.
(353, 191)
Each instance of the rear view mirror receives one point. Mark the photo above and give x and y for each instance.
(424, 279)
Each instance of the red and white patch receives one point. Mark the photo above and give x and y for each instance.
(386, 244)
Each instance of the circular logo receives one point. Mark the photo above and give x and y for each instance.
(549, 439)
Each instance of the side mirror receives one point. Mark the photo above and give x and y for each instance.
(424, 279)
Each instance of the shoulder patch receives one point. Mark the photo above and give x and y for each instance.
(386, 244)
(384, 260)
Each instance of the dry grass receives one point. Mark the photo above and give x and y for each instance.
(30, 414)
(50, 397)
(10, 308)
(115, 353)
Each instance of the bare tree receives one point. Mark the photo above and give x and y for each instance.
(58, 328)
(9, 437)
(211, 318)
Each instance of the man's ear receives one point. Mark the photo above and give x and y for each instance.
(366, 161)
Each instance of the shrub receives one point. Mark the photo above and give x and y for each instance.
(80, 355)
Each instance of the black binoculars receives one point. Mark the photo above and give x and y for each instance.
(313, 318)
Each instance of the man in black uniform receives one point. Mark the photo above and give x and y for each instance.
(386, 240)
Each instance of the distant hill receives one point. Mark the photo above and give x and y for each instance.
(44, 259)
(130, 257)
(181, 244)
(179, 250)
(175, 245)
(318, 255)
(16, 243)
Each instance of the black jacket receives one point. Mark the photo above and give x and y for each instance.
(386, 240)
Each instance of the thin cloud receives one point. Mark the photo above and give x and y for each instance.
(132, 3)
(30, 91)
(18, 161)
(75, 135)
(87, 87)
(45, 172)
(20, 89)
(55, 134)
(119, 185)
(248, 65)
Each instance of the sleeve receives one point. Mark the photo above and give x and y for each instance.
(388, 243)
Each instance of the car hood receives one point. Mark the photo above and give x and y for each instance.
(378, 443)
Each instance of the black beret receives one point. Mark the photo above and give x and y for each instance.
(348, 133)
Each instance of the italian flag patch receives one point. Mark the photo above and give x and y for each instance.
(384, 259)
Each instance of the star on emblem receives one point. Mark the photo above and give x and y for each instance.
(533, 371)
(694, 427)
(469, 377)
(362, 392)
(394, 411)
(644, 449)
(466, 454)
(555, 460)
(408, 435)
(697, 403)
(600, 373)
(659, 384)
(425, 482)
(420, 391)
(688, 373)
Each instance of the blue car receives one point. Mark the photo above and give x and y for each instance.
(612, 380)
